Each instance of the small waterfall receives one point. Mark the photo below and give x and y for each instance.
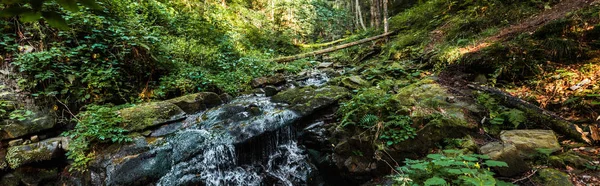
(249, 141)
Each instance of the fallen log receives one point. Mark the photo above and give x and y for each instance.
(330, 49)
(322, 44)
(545, 117)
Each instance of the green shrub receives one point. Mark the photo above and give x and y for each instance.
(451, 167)
(98, 124)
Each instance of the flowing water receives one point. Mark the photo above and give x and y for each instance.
(249, 141)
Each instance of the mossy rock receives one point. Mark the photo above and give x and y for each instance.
(569, 158)
(529, 141)
(552, 177)
(35, 152)
(36, 176)
(9, 180)
(355, 82)
(3, 164)
(508, 153)
(197, 102)
(308, 99)
(150, 114)
(11, 129)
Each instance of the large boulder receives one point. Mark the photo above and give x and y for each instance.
(552, 177)
(193, 103)
(36, 176)
(35, 152)
(529, 141)
(150, 114)
(508, 153)
(135, 163)
(11, 128)
(308, 99)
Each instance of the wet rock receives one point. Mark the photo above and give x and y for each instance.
(270, 90)
(31, 176)
(14, 128)
(276, 79)
(151, 114)
(197, 102)
(325, 65)
(355, 82)
(9, 180)
(35, 152)
(131, 164)
(528, 141)
(307, 100)
(226, 98)
(552, 177)
(508, 153)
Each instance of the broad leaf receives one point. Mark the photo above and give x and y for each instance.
(55, 20)
(70, 5)
(435, 181)
(30, 16)
(493, 163)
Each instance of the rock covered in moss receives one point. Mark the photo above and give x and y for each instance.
(11, 129)
(308, 99)
(529, 141)
(9, 180)
(193, 103)
(552, 177)
(508, 153)
(36, 176)
(355, 82)
(569, 158)
(35, 152)
(150, 114)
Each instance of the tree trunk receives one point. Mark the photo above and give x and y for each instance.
(385, 16)
(360, 18)
(330, 49)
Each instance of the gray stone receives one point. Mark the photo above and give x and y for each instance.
(11, 129)
(276, 79)
(270, 90)
(35, 152)
(355, 82)
(306, 100)
(508, 153)
(528, 141)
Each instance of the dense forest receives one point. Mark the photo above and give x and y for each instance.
(299, 92)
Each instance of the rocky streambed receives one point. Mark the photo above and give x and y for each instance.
(284, 132)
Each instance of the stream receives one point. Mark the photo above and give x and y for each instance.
(248, 141)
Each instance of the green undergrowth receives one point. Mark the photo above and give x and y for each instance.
(451, 167)
(98, 124)
(433, 31)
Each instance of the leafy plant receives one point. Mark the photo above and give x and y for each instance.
(98, 124)
(397, 129)
(500, 115)
(451, 167)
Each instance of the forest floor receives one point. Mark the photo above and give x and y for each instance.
(549, 93)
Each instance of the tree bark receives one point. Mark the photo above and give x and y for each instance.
(385, 16)
(330, 49)
(545, 117)
(360, 18)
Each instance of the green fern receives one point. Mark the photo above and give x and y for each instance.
(369, 120)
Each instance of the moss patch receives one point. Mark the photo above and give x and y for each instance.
(150, 114)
